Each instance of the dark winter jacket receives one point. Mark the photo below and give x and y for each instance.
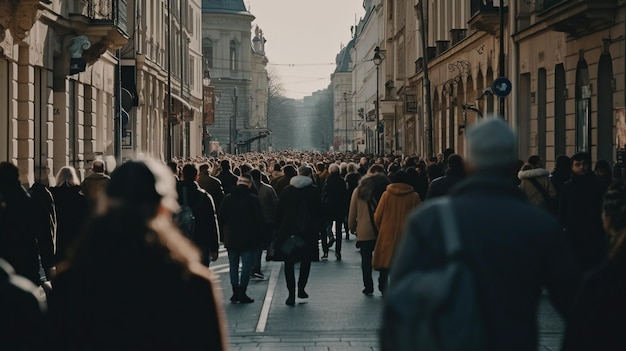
(580, 210)
(597, 318)
(558, 177)
(335, 200)
(513, 247)
(47, 239)
(206, 231)
(72, 212)
(241, 219)
(213, 186)
(299, 213)
(93, 187)
(442, 185)
(352, 181)
(21, 223)
(228, 179)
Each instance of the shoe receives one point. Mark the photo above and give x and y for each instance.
(331, 241)
(258, 275)
(243, 298)
(302, 294)
(325, 255)
(235, 297)
(338, 256)
(368, 292)
(291, 300)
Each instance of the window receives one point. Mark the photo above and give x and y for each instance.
(207, 52)
(583, 107)
(233, 55)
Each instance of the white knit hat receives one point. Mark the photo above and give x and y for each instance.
(491, 145)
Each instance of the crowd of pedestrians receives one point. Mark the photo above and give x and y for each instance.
(119, 239)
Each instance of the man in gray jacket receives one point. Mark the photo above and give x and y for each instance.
(513, 248)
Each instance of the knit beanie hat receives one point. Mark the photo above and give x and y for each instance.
(491, 145)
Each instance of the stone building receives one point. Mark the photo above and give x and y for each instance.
(344, 127)
(237, 73)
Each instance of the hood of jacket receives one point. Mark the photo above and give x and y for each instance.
(533, 173)
(400, 189)
(372, 186)
(300, 181)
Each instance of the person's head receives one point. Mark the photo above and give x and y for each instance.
(9, 174)
(352, 167)
(439, 158)
(602, 169)
(491, 147)
(333, 168)
(97, 166)
(305, 171)
(225, 164)
(145, 186)
(563, 163)
(376, 169)
(245, 168)
(402, 177)
(614, 219)
(320, 166)
(245, 180)
(256, 175)
(455, 164)
(363, 161)
(204, 168)
(190, 172)
(289, 171)
(173, 166)
(580, 163)
(67, 177)
(535, 161)
(277, 167)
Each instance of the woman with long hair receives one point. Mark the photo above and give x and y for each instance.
(133, 281)
(71, 208)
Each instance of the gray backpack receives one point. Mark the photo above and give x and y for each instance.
(435, 309)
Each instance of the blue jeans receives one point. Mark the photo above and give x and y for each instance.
(247, 259)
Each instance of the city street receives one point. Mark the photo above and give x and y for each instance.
(336, 316)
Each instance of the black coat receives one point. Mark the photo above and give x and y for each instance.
(335, 200)
(206, 231)
(228, 179)
(514, 248)
(580, 214)
(72, 211)
(241, 220)
(299, 213)
(442, 185)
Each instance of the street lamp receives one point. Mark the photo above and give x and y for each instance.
(377, 61)
(207, 105)
(345, 99)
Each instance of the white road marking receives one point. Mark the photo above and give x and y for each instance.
(271, 286)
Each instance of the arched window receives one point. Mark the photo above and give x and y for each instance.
(207, 52)
(233, 55)
(605, 85)
(583, 107)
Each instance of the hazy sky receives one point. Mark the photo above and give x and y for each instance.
(303, 39)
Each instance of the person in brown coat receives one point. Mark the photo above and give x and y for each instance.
(534, 177)
(391, 214)
(133, 281)
(93, 185)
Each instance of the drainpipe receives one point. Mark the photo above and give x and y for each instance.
(514, 62)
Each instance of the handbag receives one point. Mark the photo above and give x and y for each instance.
(292, 243)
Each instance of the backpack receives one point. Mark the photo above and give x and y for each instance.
(435, 309)
(184, 218)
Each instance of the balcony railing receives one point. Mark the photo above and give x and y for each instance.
(484, 6)
(109, 12)
(485, 15)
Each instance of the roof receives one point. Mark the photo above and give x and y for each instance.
(223, 6)
(343, 59)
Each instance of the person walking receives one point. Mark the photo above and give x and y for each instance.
(580, 209)
(363, 203)
(22, 224)
(393, 209)
(226, 176)
(513, 249)
(72, 210)
(455, 173)
(335, 202)
(241, 221)
(134, 282)
(93, 185)
(269, 201)
(535, 183)
(210, 184)
(596, 320)
(299, 220)
(206, 230)
(352, 182)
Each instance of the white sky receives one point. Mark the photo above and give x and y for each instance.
(303, 39)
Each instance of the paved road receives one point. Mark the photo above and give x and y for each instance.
(336, 316)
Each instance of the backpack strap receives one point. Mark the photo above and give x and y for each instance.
(538, 186)
(451, 236)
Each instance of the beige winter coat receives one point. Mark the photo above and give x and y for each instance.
(534, 195)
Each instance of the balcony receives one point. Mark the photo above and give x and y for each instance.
(577, 17)
(104, 22)
(484, 15)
